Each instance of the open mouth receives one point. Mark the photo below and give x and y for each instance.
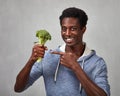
(69, 40)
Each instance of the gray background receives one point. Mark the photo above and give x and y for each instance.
(19, 20)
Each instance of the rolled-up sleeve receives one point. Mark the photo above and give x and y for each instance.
(101, 78)
(35, 73)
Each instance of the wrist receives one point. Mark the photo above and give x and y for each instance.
(31, 62)
(75, 66)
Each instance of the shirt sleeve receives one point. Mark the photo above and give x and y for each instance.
(101, 78)
(35, 73)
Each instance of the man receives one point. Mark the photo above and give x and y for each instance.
(70, 70)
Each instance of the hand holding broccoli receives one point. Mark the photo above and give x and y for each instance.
(43, 36)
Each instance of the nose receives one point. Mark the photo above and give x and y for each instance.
(68, 32)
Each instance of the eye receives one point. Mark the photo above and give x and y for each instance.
(74, 28)
(63, 29)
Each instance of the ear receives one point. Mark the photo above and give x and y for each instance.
(84, 29)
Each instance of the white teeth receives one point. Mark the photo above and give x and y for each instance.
(69, 39)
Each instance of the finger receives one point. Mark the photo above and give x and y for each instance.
(42, 46)
(36, 43)
(45, 47)
(37, 46)
(55, 52)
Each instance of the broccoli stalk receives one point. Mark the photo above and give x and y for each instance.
(43, 36)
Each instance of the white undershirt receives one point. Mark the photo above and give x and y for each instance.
(87, 51)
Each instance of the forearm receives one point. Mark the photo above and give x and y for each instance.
(23, 76)
(89, 86)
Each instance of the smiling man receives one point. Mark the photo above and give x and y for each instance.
(70, 70)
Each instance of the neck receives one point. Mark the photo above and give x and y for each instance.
(78, 49)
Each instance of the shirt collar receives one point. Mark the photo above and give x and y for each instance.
(87, 50)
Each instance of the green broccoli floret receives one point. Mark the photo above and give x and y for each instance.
(43, 36)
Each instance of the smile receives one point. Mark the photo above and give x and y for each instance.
(69, 39)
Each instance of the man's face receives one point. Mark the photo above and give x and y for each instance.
(71, 31)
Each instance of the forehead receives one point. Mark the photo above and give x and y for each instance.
(70, 21)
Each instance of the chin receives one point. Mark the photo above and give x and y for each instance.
(70, 44)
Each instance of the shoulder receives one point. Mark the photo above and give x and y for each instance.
(94, 62)
(99, 63)
(94, 57)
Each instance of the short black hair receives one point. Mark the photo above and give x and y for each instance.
(75, 13)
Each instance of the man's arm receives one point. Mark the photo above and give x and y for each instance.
(23, 76)
(89, 86)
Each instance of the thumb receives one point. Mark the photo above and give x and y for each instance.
(56, 52)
